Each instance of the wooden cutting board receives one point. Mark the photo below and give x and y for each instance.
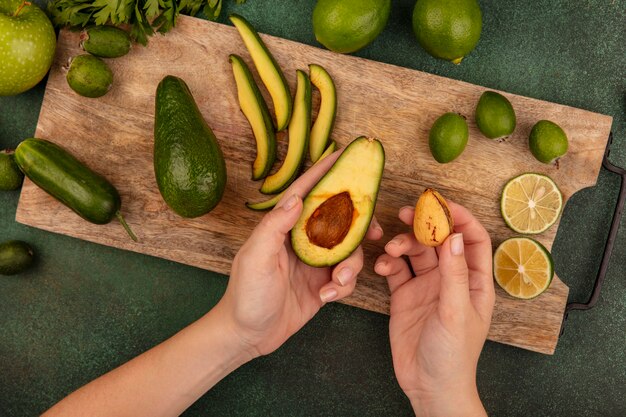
(113, 135)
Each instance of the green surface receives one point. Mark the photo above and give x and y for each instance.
(84, 308)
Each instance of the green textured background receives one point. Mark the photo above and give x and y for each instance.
(85, 309)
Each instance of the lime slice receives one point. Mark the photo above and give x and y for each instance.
(531, 203)
(523, 267)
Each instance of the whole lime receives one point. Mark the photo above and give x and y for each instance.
(448, 137)
(447, 29)
(348, 25)
(547, 141)
(10, 175)
(495, 116)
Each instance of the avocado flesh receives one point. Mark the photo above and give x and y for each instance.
(357, 172)
(188, 161)
(268, 70)
(254, 108)
(299, 132)
(323, 126)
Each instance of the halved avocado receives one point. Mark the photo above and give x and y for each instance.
(323, 126)
(299, 132)
(271, 74)
(338, 210)
(271, 202)
(254, 108)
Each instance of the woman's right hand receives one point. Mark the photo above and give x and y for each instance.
(440, 317)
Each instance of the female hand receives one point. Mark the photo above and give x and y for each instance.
(440, 318)
(271, 293)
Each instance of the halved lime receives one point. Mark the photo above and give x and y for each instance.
(531, 203)
(523, 267)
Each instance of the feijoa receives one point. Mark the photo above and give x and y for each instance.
(89, 76)
(105, 41)
(10, 175)
(495, 116)
(15, 257)
(448, 137)
(548, 141)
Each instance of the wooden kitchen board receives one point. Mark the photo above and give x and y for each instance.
(113, 135)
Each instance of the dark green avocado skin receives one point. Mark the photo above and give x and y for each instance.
(188, 162)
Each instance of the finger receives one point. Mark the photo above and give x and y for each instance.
(406, 215)
(396, 270)
(306, 181)
(454, 293)
(375, 231)
(270, 233)
(423, 259)
(346, 271)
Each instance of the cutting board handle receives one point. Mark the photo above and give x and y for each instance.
(610, 243)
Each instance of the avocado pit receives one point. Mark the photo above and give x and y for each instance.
(331, 221)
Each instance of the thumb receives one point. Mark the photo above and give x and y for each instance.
(454, 273)
(273, 228)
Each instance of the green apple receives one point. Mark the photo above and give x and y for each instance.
(27, 44)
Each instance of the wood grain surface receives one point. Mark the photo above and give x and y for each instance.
(113, 135)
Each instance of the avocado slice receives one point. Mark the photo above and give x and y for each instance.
(338, 210)
(188, 161)
(299, 132)
(271, 74)
(323, 126)
(271, 202)
(254, 108)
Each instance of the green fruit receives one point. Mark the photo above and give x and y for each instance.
(349, 25)
(254, 108)
(89, 76)
(325, 121)
(447, 29)
(448, 137)
(188, 161)
(547, 141)
(15, 257)
(495, 116)
(71, 182)
(299, 132)
(105, 41)
(27, 44)
(337, 211)
(10, 175)
(269, 71)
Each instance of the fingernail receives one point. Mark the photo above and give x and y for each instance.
(395, 241)
(456, 244)
(328, 295)
(291, 202)
(344, 276)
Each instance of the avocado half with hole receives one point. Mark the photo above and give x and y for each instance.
(338, 210)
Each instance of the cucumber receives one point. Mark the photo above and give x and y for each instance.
(299, 131)
(254, 108)
(15, 257)
(323, 126)
(271, 74)
(68, 180)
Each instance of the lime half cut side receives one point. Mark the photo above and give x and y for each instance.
(523, 267)
(531, 203)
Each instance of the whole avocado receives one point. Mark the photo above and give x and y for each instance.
(188, 161)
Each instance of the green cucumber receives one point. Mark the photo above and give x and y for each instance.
(323, 126)
(15, 257)
(299, 131)
(271, 202)
(105, 41)
(271, 74)
(71, 182)
(254, 108)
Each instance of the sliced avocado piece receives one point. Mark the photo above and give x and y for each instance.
(254, 108)
(271, 202)
(188, 161)
(338, 210)
(271, 74)
(299, 132)
(323, 126)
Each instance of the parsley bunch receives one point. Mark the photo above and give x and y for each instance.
(144, 17)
